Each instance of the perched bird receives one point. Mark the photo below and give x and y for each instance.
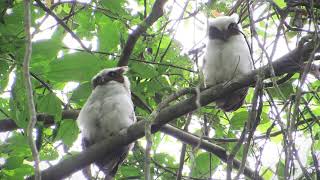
(108, 110)
(227, 56)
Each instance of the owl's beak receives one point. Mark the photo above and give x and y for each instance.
(225, 35)
(123, 69)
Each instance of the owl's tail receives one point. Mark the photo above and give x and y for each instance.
(112, 161)
(233, 101)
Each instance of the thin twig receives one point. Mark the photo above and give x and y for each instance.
(28, 85)
(183, 149)
(64, 25)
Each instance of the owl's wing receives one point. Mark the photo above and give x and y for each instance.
(233, 101)
(88, 119)
(114, 160)
(88, 115)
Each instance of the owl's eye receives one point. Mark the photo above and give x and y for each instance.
(233, 26)
(112, 74)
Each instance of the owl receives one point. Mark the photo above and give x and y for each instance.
(227, 56)
(108, 110)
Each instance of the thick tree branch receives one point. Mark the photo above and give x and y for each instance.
(286, 64)
(156, 13)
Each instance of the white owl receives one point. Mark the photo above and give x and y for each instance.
(108, 110)
(227, 56)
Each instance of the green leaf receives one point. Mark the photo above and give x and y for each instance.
(129, 171)
(202, 164)
(164, 159)
(4, 74)
(281, 170)
(76, 67)
(51, 105)
(68, 132)
(86, 22)
(238, 119)
(264, 118)
(108, 34)
(23, 170)
(114, 5)
(286, 89)
(18, 102)
(48, 153)
(144, 70)
(46, 50)
(13, 21)
(280, 3)
(81, 94)
(18, 145)
(13, 162)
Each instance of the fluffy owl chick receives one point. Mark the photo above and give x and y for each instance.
(227, 56)
(108, 110)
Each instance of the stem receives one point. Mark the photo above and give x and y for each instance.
(28, 85)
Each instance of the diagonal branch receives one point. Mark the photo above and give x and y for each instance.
(156, 13)
(64, 25)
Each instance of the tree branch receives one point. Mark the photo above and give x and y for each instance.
(27, 80)
(156, 13)
(64, 25)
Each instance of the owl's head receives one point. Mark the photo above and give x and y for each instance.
(224, 27)
(106, 76)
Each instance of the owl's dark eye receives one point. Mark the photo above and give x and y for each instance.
(233, 26)
(112, 74)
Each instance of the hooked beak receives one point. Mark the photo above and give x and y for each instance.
(225, 36)
(123, 69)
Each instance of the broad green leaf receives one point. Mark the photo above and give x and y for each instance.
(114, 5)
(81, 94)
(68, 132)
(264, 118)
(268, 174)
(46, 50)
(280, 3)
(18, 145)
(4, 74)
(144, 70)
(51, 105)
(86, 21)
(18, 173)
(108, 34)
(129, 171)
(13, 21)
(18, 101)
(24, 170)
(202, 164)
(286, 89)
(281, 170)
(76, 67)
(238, 119)
(163, 158)
(13, 162)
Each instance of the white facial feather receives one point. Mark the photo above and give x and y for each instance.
(222, 22)
(105, 71)
(108, 110)
(225, 58)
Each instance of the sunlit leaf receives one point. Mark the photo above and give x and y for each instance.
(68, 132)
